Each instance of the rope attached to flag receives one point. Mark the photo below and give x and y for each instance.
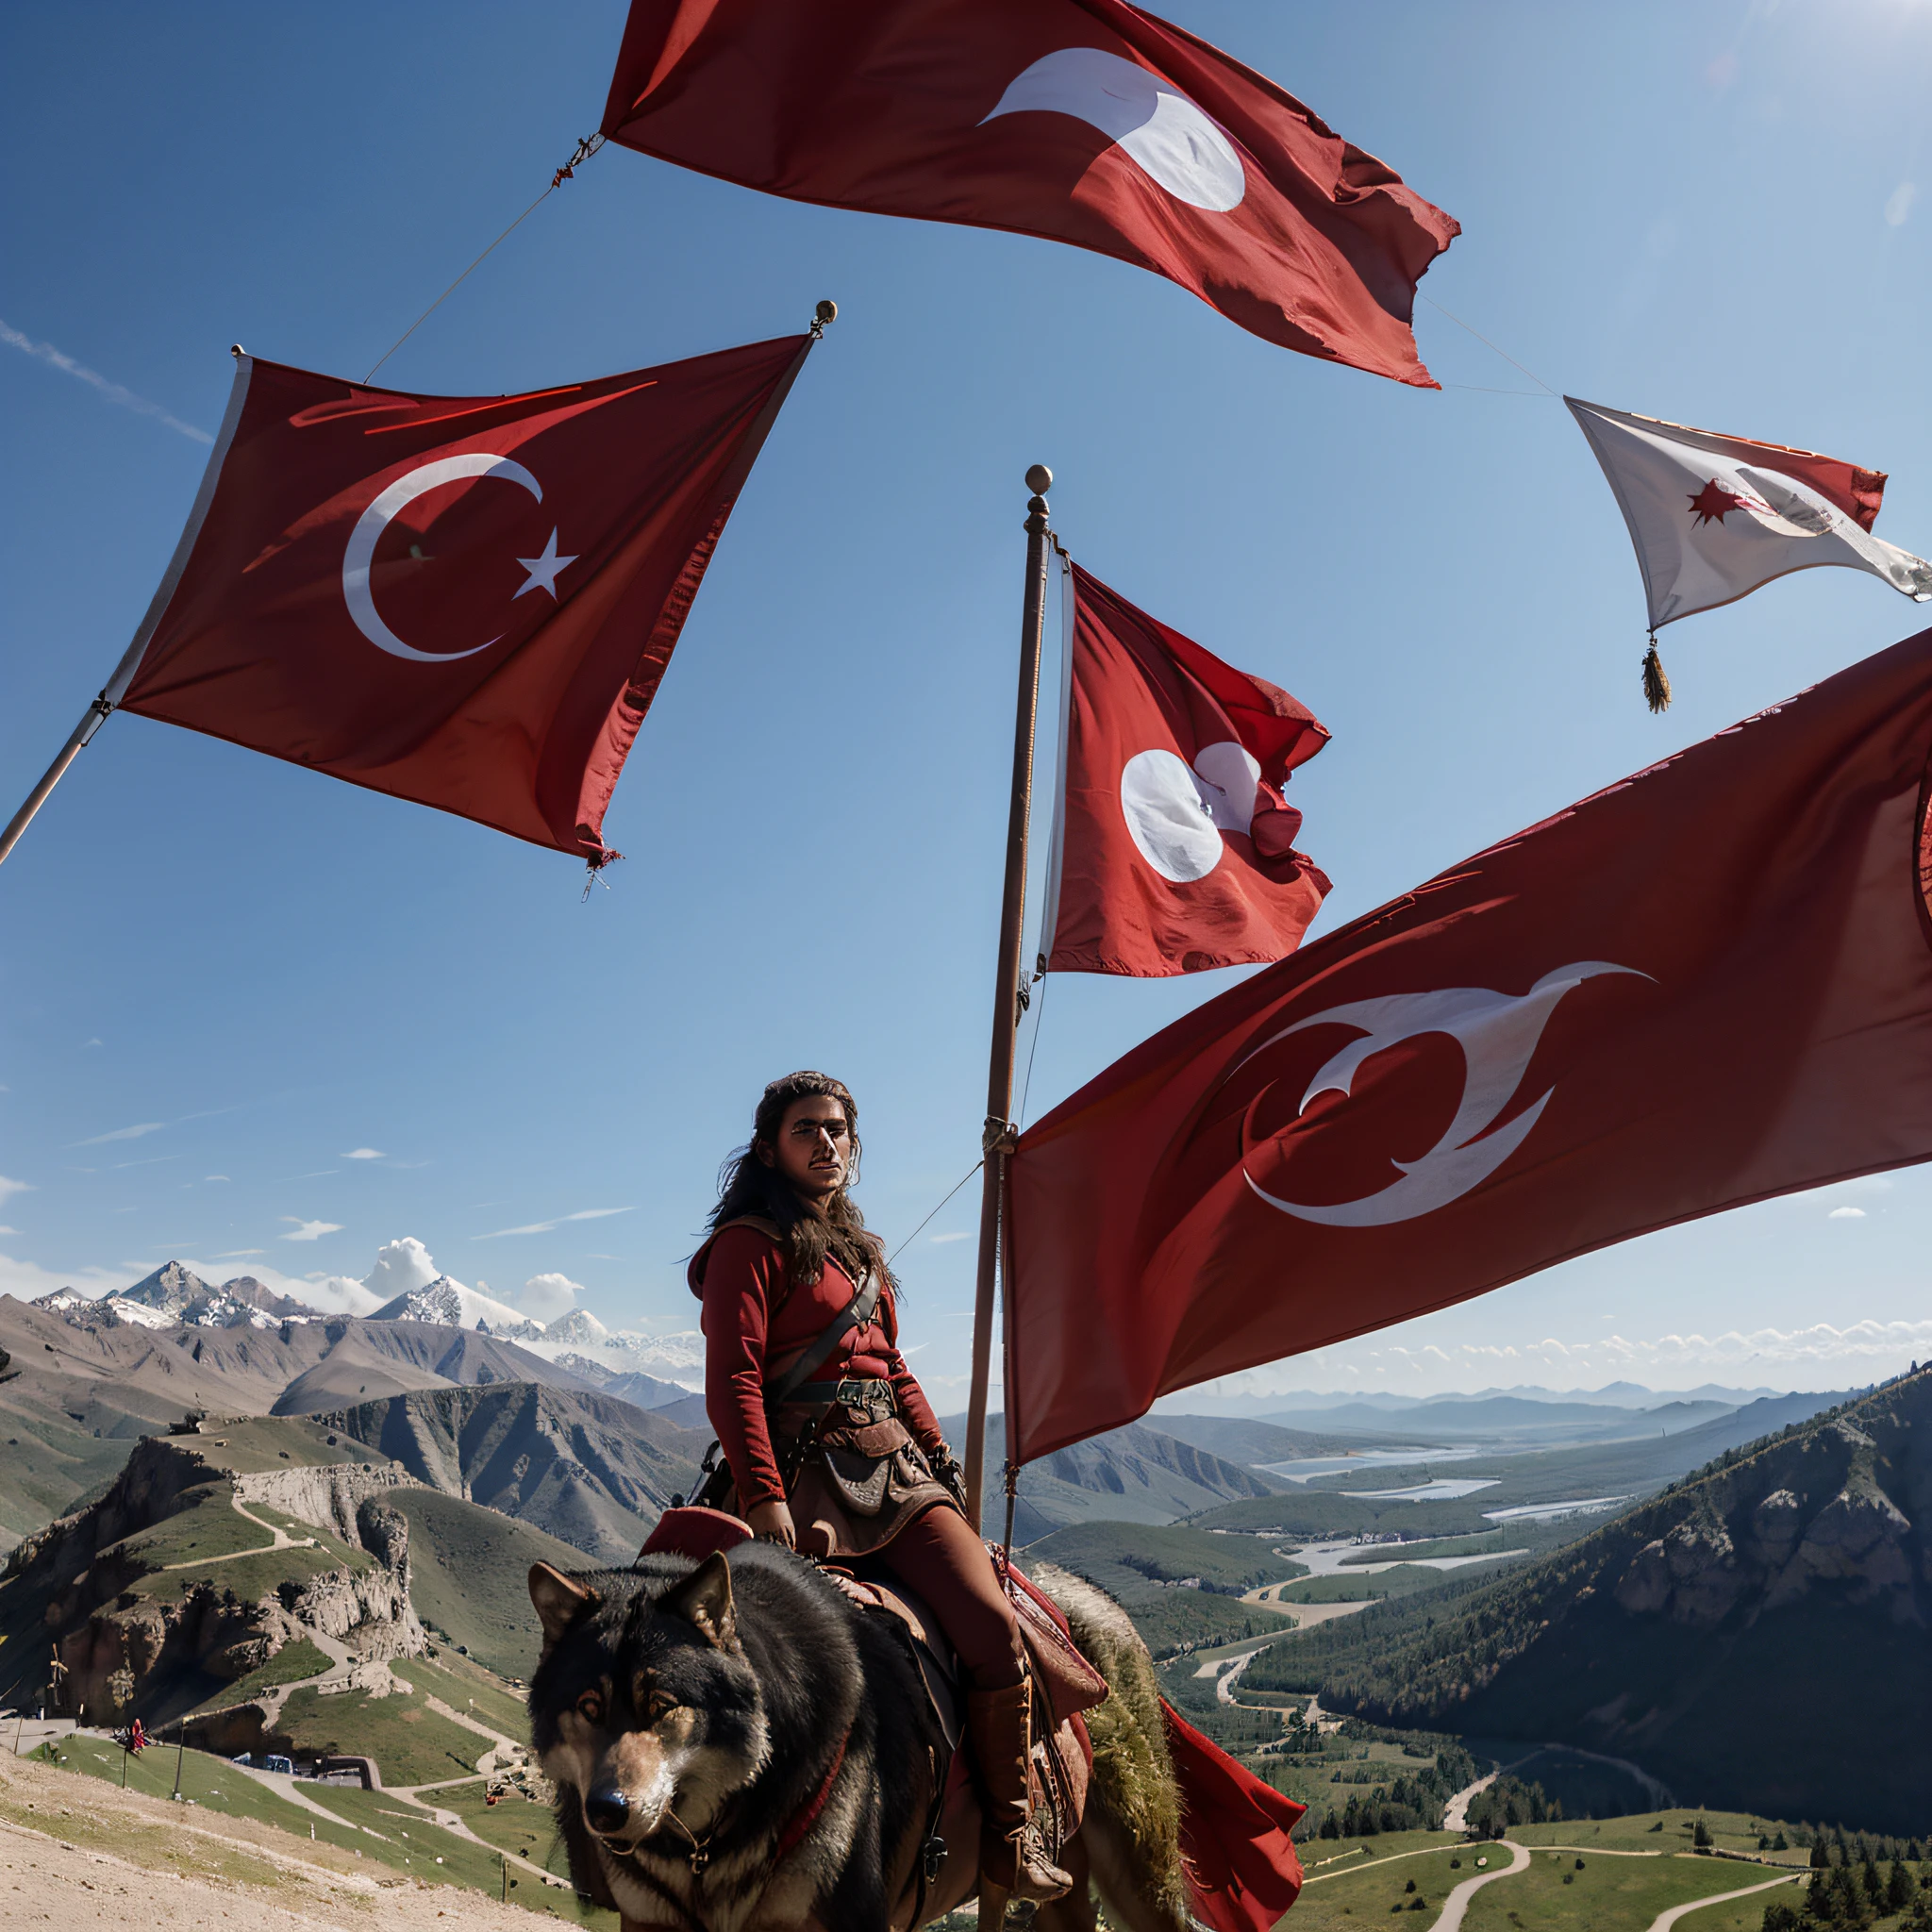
(585, 149)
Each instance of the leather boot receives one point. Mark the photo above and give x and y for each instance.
(1012, 1861)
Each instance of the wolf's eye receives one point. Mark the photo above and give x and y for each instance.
(591, 1707)
(660, 1705)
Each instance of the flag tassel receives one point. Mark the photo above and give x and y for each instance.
(1657, 683)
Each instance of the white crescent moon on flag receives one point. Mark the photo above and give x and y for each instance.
(377, 519)
(1498, 1035)
(1163, 133)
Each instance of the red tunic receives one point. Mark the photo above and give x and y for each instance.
(741, 1276)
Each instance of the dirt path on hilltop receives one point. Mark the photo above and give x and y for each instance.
(83, 1857)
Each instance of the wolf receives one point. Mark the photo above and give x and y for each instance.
(737, 1748)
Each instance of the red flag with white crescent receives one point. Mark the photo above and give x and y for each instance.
(1707, 985)
(1088, 122)
(467, 601)
(1174, 849)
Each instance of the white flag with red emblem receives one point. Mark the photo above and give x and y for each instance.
(1713, 517)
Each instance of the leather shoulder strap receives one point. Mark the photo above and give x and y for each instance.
(855, 1314)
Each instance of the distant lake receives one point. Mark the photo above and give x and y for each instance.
(1554, 1512)
(1440, 1490)
(1304, 1468)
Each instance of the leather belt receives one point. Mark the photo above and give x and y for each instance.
(853, 1393)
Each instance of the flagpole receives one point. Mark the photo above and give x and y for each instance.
(116, 687)
(998, 1136)
(92, 720)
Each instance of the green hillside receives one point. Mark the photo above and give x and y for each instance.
(1753, 1636)
(1181, 1586)
(467, 1576)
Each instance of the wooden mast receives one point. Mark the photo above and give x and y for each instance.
(999, 1134)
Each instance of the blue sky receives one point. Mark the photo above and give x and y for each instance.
(269, 1022)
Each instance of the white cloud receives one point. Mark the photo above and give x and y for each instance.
(8, 1187)
(363, 1153)
(27, 1281)
(1846, 1214)
(1898, 204)
(941, 1239)
(109, 392)
(333, 1292)
(310, 1230)
(95, 1041)
(400, 1266)
(548, 1227)
(133, 1133)
(214, 1176)
(545, 1297)
(239, 1254)
(9, 1231)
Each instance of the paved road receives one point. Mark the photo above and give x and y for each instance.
(1664, 1921)
(1457, 1902)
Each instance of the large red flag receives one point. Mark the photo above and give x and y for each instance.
(1172, 849)
(1707, 985)
(468, 601)
(1082, 121)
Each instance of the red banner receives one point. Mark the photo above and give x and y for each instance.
(1236, 1833)
(1707, 985)
(1174, 850)
(1081, 120)
(468, 601)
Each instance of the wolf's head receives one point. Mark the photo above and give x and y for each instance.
(643, 1703)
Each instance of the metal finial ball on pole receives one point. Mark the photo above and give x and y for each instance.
(1040, 479)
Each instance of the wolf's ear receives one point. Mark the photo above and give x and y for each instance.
(560, 1600)
(704, 1601)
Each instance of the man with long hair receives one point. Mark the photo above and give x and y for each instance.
(851, 1461)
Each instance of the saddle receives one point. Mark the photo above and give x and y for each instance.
(1065, 1684)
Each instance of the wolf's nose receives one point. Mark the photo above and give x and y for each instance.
(607, 1809)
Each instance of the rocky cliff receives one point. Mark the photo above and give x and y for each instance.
(137, 1621)
(1759, 1634)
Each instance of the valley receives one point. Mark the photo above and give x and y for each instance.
(272, 1535)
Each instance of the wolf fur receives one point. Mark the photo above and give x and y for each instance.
(742, 1709)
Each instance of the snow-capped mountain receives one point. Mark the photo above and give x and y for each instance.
(577, 1329)
(678, 1358)
(172, 1295)
(453, 1306)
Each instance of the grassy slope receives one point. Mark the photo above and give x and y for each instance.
(1405, 1579)
(1139, 1564)
(208, 1525)
(411, 1744)
(468, 1568)
(289, 1665)
(371, 1826)
(45, 1470)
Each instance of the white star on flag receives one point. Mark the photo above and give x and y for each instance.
(543, 569)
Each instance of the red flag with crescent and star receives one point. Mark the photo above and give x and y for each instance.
(1088, 122)
(1173, 848)
(467, 601)
(1707, 985)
